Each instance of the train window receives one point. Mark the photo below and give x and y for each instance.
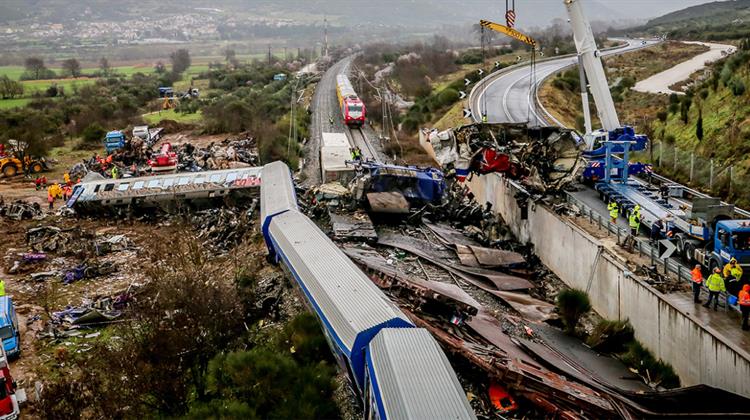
(109, 187)
(199, 180)
(184, 180)
(355, 108)
(138, 185)
(168, 183)
(96, 189)
(217, 178)
(153, 184)
(231, 177)
(122, 187)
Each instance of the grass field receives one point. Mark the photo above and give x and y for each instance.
(13, 103)
(155, 118)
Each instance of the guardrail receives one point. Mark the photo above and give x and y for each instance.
(642, 246)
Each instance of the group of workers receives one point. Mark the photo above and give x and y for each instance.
(634, 219)
(718, 282)
(56, 190)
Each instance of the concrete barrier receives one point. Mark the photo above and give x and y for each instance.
(698, 353)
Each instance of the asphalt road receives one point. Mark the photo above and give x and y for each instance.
(508, 97)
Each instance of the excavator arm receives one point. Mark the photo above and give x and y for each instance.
(508, 31)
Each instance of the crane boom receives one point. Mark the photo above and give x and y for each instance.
(591, 59)
(508, 31)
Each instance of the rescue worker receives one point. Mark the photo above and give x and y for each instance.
(697, 276)
(114, 171)
(635, 222)
(715, 285)
(743, 298)
(2, 287)
(637, 210)
(38, 183)
(733, 271)
(614, 211)
(66, 178)
(656, 230)
(484, 118)
(50, 200)
(358, 153)
(330, 119)
(353, 153)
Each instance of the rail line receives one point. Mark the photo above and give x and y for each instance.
(357, 138)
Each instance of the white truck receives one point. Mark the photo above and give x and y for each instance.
(149, 135)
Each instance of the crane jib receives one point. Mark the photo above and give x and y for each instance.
(508, 31)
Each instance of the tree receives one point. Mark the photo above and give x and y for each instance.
(699, 126)
(35, 66)
(9, 88)
(180, 60)
(72, 67)
(572, 305)
(230, 54)
(104, 67)
(160, 68)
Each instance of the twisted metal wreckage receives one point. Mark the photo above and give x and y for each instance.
(544, 159)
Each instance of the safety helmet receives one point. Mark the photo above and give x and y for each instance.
(733, 261)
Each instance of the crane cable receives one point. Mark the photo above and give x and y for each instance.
(484, 59)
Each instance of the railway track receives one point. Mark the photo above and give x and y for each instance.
(358, 138)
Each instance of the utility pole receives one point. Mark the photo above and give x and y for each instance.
(269, 54)
(325, 35)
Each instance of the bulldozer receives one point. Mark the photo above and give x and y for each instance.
(10, 165)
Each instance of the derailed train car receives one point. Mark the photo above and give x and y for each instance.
(396, 369)
(188, 188)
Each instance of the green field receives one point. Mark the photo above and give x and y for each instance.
(13, 103)
(155, 118)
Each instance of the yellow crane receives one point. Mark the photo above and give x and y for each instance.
(508, 31)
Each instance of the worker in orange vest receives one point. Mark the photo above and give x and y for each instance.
(697, 275)
(743, 298)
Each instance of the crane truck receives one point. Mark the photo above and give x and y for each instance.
(702, 228)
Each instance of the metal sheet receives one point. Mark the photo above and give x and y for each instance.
(427, 251)
(388, 202)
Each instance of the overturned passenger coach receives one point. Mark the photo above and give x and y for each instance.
(195, 189)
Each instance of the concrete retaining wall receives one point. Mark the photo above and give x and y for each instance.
(697, 353)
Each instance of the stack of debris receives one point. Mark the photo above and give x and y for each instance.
(544, 159)
(69, 241)
(133, 160)
(223, 228)
(20, 210)
(91, 313)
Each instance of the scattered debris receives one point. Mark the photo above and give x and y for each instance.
(355, 226)
(544, 159)
(20, 210)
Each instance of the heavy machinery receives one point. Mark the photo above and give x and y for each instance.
(165, 160)
(702, 228)
(149, 135)
(10, 164)
(113, 141)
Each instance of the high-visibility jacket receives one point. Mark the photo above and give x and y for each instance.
(743, 298)
(635, 220)
(114, 172)
(715, 283)
(2, 287)
(613, 210)
(697, 275)
(735, 271)
(637, 210)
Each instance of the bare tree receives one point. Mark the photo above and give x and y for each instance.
(180, 60)
(104, 67)
(35, 66)
(9, 88)
(72, 67)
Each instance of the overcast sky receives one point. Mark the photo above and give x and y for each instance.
(541, 12)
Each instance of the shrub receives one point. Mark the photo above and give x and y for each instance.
(737, 87)
(611, 336)
(572, 305)
(657, 371)
(94, 133)
(447, 97)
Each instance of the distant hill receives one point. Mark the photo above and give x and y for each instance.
(710, 21)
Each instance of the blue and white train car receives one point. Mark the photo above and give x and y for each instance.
(409, 377)
(382, 352)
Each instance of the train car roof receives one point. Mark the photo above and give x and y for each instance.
(412, 378)
(201, 174)
(335, 140)
(277, 193)
(346, 300)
